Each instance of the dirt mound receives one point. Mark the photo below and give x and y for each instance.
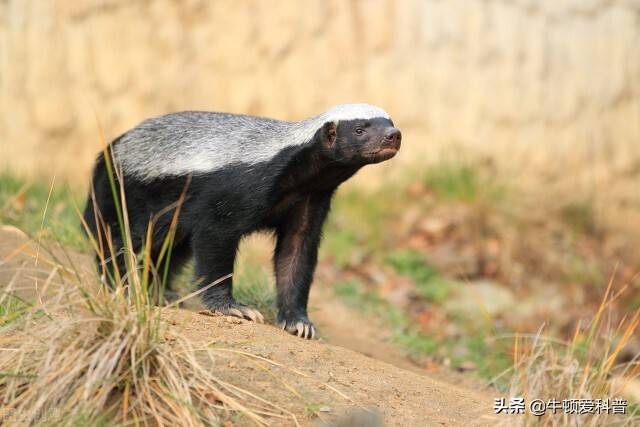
(311, 376)
(314, 381)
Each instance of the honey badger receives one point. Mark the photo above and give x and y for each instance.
(239, 174)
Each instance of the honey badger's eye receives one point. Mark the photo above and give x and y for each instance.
(359, 131)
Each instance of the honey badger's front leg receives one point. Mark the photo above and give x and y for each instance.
(295, 260)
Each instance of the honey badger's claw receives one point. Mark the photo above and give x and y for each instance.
(235, 312)
(302, 328)
(254, 315)
(239, 310)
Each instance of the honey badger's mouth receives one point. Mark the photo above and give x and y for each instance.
(385, 152)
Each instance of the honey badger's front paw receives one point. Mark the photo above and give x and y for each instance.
(234, 308)
(297, 324)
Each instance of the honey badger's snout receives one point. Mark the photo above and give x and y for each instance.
(386, 145)
(392, 139)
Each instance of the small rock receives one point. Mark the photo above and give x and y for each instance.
(467, 366)
(357, 418)
(325, 409)
(399, 291)
(435, 228)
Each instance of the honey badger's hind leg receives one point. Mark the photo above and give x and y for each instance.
(214, 255)
(171, 265)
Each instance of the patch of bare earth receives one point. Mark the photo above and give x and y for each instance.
(345, 327)
(299, 375)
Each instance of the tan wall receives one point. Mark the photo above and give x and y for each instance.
(492, 73)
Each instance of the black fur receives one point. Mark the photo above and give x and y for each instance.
(289, 195)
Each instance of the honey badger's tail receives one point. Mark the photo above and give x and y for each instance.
(97, 212)
(91, 212)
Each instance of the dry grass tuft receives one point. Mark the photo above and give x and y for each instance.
(99, 358)
(588, 367)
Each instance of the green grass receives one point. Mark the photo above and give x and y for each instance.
(581, 270)
(413, 264)
(23, 204)
(417, 344)
(489, 357)
(455, 181)
(580, 216)
(359, 221)
(430, 285)
(451, 181)
(355, 296)
(11, 308)
(341, 246)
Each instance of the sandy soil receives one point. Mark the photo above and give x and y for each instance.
(317, 381)
(404, 398)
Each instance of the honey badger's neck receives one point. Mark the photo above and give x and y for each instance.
(308, 169)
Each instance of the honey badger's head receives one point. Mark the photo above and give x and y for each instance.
(358, 141)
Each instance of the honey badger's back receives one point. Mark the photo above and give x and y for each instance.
(198, 142)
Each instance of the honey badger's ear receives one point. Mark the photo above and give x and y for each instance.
(329, 134)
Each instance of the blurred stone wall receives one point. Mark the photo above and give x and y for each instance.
(478, 73)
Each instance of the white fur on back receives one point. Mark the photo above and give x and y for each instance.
(199, 142)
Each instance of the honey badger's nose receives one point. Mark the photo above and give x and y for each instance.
(392, 138)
